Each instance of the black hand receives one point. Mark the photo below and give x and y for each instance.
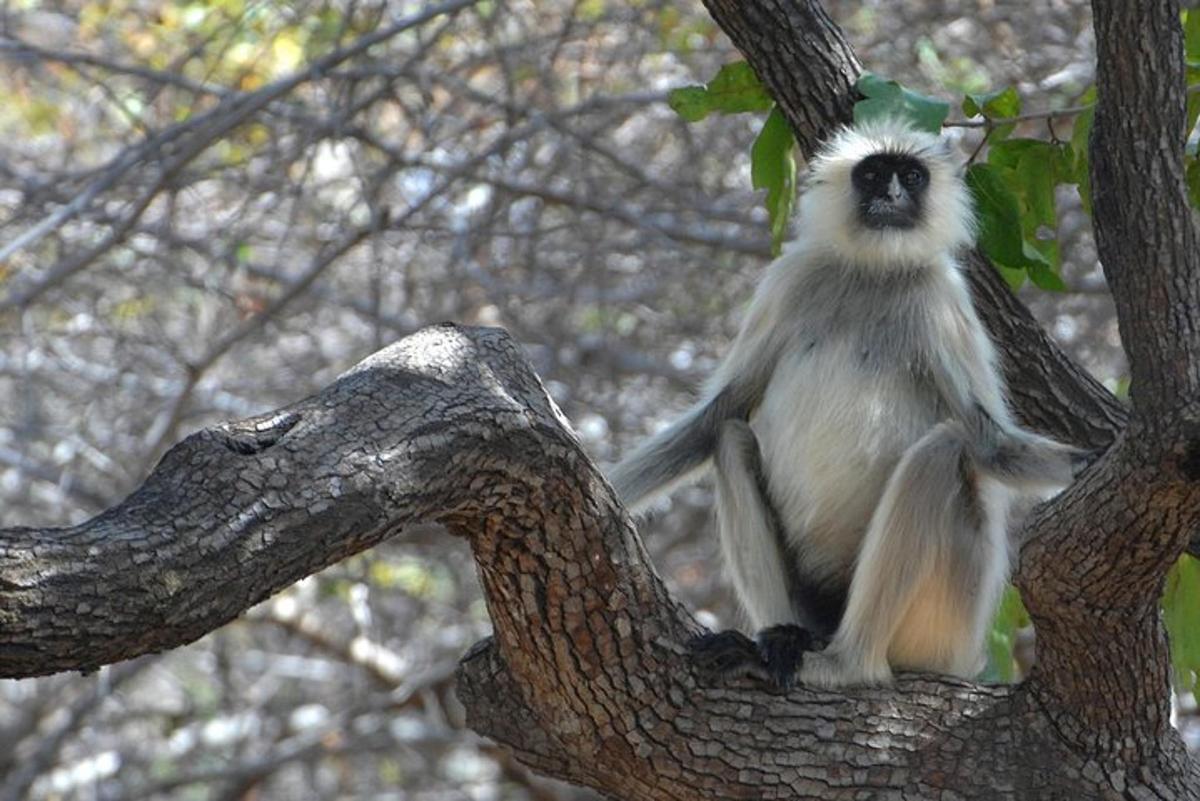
(782, 651)
(726, 654)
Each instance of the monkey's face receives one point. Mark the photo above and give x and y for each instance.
(882, 195)
(889, 188)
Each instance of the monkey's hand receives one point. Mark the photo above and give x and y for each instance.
(782, 650)
(726, 654)
(774, 656)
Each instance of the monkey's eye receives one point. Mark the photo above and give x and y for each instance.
(870, 176)
(912, 178)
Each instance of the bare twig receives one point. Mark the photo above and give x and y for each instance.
(201, 132)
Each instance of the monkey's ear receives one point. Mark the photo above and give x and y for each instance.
(946, 149)
(808, 179)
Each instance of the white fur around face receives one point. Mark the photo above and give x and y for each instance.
(828, 214)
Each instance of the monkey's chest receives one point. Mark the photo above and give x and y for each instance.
(833, 423)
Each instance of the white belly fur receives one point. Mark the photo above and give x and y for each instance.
(831, 432)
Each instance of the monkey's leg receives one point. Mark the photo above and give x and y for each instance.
(750, 540)
(929, 573)
(761, 569)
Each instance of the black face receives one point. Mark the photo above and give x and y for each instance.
(890, 188)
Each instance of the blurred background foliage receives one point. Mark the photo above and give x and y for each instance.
(208, 210)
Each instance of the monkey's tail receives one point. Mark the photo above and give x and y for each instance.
(667, 459)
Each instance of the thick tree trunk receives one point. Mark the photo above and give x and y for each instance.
(586, 676)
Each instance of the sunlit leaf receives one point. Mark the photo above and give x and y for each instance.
(1193, 98)
(41, 115)
(884, 99)
(1192, 175)
(1010, 618)
(733, 90)
(132, 309)
(591, 10)
(1181, 611)
(1191, 34)
(773, 167)
(1045, 278)
(993, 105)
(287, 53)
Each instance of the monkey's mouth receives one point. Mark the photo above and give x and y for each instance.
(879, 215)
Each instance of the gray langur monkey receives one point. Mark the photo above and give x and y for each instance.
(864, 455)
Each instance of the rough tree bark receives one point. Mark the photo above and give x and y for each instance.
(586, 677)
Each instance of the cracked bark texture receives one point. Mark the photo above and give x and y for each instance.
(586, 677)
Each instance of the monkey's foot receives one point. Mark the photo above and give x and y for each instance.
(828, 669)
(725, 654)
(782, 650)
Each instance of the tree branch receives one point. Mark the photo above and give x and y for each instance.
(449, 426)
(250, 507)
(586, 677)
(1145, 230)
(177, 146)
(1095, 573)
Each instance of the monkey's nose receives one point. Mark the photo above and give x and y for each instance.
(894, 191)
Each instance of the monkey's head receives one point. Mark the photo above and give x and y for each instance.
(883, 194)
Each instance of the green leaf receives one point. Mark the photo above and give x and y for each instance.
(1022, 175)
(734, 89)
(1181, 610)
(1001, 132)
(1045, 278)
(1193, 98)
(1064, 163)
(1010, 617)
(1037, 174)
(1192, 176)
(1191, 34)
(690, 102)
(993, 105)
(1013, 277)
(999, 213)
(773, 167)
(884, 98)
(1080, 136)
(1008, 154)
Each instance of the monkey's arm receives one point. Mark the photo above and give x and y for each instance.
(969, 382)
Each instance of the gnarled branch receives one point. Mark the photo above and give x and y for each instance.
(587, 675)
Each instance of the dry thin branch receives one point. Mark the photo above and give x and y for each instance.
(194, 136)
